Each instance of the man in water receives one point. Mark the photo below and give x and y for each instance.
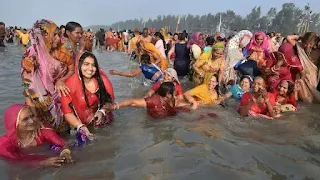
(145, 37)
(2, 33)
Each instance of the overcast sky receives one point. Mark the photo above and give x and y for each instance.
(104, 12)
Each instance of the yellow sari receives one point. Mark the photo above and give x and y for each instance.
(150, 49)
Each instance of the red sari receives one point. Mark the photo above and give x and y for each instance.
(158, 108)
(255, 108)
(9, 144)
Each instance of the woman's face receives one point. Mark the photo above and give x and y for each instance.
(175, 37)
(308, 46)
(213, 82)
(167, 77)
(258, 84)
(27, 121)
(245, 84)
(55, 39)
(157, 38)
(259, 40)
(88, 68)
(283, 88)
(75, 35)
(218, 53)
(62, 31)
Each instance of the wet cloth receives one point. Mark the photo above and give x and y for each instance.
(202, 94)
(237, 92)
(158, 108)
(182, 59)
(150, 49)
(255, 108)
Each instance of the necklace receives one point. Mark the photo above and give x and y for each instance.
(24, 145)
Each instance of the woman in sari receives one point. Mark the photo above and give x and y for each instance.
(160, 43)
(258, 103)
(196, 45)
(236, 91)
(207, 93)
(204, 69)
(282, 65)
(155, 55)
(233, 54)
(88, 39)
(45, 67)
(90, 90)
(160, 105)
(24, 131)
(306, 85)
(285, 97)
(259, 48)
(74, 36)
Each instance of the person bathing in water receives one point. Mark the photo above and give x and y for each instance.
(146, 67)
(159, 105)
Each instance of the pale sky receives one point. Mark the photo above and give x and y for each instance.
(104, 12)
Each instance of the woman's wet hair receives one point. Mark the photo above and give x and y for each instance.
(71, 26)
(145, 59)
(166, 88)
(158, 34)
(62, 26)
(102, 93)
(290, 88)
(182, 36)
(309, 37)
(217, 86)
(247, 77)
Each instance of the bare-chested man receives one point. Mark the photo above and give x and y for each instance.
(145, 37)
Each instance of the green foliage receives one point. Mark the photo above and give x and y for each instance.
(285, 21)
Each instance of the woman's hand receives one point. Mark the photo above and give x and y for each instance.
(113, 72)
(82, 44)
(195, 105)
(68, 158)
(61, 88)
(53, 162)
(97, 118)
(87, 133)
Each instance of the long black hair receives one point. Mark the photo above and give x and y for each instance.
(71, 26)
(158, 34)
(217, 86)
(290, 88)
(104, 96)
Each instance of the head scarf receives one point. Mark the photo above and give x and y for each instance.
(40, 70)
(253, 42)
(196, 39)
(9, 142)
(289, 57)
(242, 38)
(218, 45)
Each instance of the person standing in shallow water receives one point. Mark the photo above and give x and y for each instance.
(2, 33)
(74, 36)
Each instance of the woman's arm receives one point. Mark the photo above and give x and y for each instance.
(227, 96)
(72, 120)
(132, 102)
(191, 100)
(157, 58)
(292, 39)
(244, 109)
(197, 66)
(133, 73)
(270, 108)
(171, 51)
(69, 73)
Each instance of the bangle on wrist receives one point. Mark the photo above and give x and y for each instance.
(79, 127)
(102, 111)
(65, 151)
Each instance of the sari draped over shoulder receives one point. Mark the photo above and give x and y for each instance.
(307, 87)
(40, 71)
(233, 54)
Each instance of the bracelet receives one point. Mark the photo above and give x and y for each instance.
(79, 127)
(102, 111)
(65, 151)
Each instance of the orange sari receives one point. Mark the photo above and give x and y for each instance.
(150, 49)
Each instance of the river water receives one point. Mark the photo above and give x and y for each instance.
(210, 143)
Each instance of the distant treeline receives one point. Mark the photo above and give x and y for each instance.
(289, 19)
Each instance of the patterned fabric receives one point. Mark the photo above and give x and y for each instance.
(40, 71)
(233, 53)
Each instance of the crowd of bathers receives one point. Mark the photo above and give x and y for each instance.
(65, 89)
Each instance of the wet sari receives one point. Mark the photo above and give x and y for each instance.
(40, 71)
(11, 149)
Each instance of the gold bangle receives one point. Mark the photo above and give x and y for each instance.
(65, 151)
